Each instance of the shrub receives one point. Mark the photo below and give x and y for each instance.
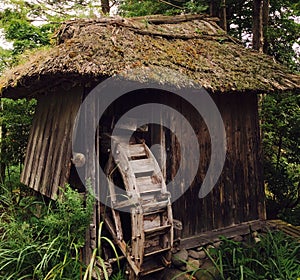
(42, 240)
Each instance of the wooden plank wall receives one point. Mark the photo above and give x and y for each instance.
(237, 197)
(239, 194)
(48, 157)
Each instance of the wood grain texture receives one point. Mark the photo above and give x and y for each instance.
(48, 157)
(238, 195)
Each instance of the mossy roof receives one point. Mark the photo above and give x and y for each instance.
(87, 51)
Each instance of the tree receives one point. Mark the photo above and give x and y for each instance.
(132, 8)
(281, 121)
(283, 32)
(105, 6)
(214, 8)
(257, 41)
(19, 29)
(265, 23)
(15, 119)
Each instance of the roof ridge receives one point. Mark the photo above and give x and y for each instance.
(148, 25)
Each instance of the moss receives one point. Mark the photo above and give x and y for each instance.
(109, 46)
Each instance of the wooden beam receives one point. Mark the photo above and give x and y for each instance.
(213, 236)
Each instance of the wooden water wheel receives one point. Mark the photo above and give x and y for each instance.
(148, 205)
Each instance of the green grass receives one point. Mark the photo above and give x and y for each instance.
(276, 256)
(42, 240)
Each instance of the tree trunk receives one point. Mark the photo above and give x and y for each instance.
(214, 8)
(257, 41)
(105, 6)
(265, 22)
(223, 20)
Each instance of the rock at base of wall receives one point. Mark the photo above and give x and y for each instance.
(180, 258)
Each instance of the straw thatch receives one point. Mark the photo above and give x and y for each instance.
(90, 50)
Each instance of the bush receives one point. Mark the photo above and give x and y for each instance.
(42, 240)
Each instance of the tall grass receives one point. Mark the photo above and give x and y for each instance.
(42, 240)
(276, 256)
(97, 266)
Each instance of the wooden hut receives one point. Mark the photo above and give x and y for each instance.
(89, 51)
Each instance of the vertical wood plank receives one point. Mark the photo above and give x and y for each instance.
(47, 163)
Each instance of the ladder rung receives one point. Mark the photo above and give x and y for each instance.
(159, 211)
(157, 230)
(146, 183)
(126, 203)
(137, 150)
(150, 207)
(157, 252)
(153, 270)
(142, 165)
(149, 191)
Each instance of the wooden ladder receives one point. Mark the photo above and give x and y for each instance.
(148, 202)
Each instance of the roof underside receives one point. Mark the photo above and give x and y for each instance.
(193, 46)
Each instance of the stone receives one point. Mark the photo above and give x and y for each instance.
(182, 268)
(180, 258)
(238, 238)
(203, 274)
(174, 250)
(256, 239)
(217, 244)
(207, 264)
(192, 264)
(173, 273)
(202, 254)
(207, 271)
(193, 254)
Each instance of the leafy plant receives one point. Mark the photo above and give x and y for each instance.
(97, 265)
(118, 276)
(42, 240)
(15, 120)
(280, 114)
(275, 256)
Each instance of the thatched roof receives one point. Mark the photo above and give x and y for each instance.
(88, 51)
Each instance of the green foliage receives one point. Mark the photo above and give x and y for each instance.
(97, 264)
(24, 35)
(132, 8)
(118, 276)
(69, 216)
(40, 241)
(143, 8)
(195, 7)
(5, 59)
(15, 119)
(239, 19)
(283, 32)
(280, 123)
(281, 35)
(275, 256)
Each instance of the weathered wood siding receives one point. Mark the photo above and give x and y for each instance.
(48, 157)
(237, 197)
(239, 194)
